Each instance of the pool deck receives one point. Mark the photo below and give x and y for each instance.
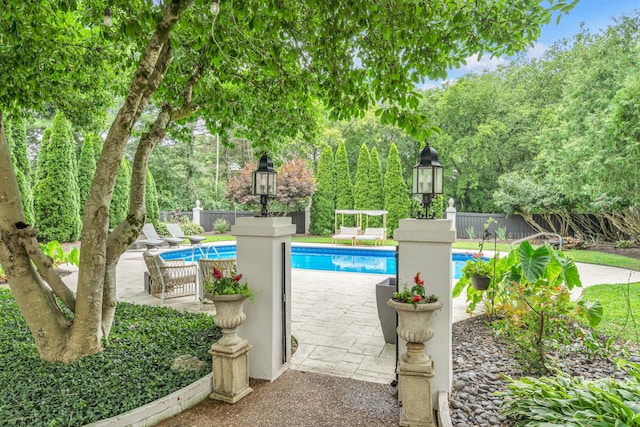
(337, 334)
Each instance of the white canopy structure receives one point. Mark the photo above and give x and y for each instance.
(340, 213)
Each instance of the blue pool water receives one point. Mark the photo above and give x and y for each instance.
(377, 261)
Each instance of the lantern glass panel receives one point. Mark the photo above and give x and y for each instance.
(438, 175)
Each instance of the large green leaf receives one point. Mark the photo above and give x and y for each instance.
(533, 261)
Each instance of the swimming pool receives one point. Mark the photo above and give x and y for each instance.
(376, 261)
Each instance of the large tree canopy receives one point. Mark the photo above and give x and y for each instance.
(256, 65)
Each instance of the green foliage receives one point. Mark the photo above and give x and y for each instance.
(574, 401)
(396, 198)
(55, 190)
(535, 303)
(471, 232)
(344, 188)
(151, 200)
(121, 192)
(134, 368)
(86, 168)
(360, 188)
(221, 225)
(375, 187)
(323, 200)
(190, 228)
(58, 255)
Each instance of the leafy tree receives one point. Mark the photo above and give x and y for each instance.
(295, 185)
(17, 141)
(396, 197)
(151, 200)
(55, 204)
(120, 201)
(323, 200)
(175, 54)
(86, 168)
(344, 188)
(360, 188)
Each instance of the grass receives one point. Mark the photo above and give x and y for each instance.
(134, 368)
(620, 302)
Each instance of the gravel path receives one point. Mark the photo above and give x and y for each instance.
(308, 399)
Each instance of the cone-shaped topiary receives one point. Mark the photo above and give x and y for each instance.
(323, 200)
(360, 192)
(120, 201)
(22, 166)
(86, 168)
(344, 188)
(396, 197)
(151, 200)
(375, 189)
(55, 197)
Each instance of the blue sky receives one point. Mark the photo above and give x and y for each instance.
(596, 15)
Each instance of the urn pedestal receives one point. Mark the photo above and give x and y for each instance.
(230, 353)
(416, 368)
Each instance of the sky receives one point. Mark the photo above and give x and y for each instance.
(596, 15)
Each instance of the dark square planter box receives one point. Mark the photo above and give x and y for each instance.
(386, 314)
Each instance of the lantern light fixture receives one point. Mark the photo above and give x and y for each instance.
(427, 179)
(264, 182)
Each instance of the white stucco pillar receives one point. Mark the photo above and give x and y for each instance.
(425, 246)
(262, 263)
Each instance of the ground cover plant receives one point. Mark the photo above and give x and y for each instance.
(134, 368)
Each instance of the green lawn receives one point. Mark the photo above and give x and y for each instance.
(621, 304)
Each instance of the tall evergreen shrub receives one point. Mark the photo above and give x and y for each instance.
(55, 193)
(17, 138)
(375, 189)
(360, 192)
(323, 200)
(86, 168)
(344, 188)
(396, 197)
(151, 200)
(120, 201)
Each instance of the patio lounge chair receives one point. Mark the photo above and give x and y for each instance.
(205, 271)
(378, 235)
(150, 233)
(171, 279)
(345, 233)
(176, 231)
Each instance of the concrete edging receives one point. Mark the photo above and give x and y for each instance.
(444, 419)
(163, 408)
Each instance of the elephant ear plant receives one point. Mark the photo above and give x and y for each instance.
(536, 304)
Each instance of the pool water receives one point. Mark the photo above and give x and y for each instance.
(376, 261)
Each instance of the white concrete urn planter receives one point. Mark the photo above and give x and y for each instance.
(414, 326)
(229, 316)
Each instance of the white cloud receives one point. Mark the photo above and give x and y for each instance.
(486, 63)
(536, 51)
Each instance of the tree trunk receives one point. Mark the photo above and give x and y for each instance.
(57, 338)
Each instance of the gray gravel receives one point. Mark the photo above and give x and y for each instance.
(479, 361)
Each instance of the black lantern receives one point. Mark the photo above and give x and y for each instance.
(427, 179)
(264, 182)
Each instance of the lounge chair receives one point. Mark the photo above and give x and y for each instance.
(377, 235)
(172, 278)
(205, 271)
(345, 233)
(151, 234)
(176, 231)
